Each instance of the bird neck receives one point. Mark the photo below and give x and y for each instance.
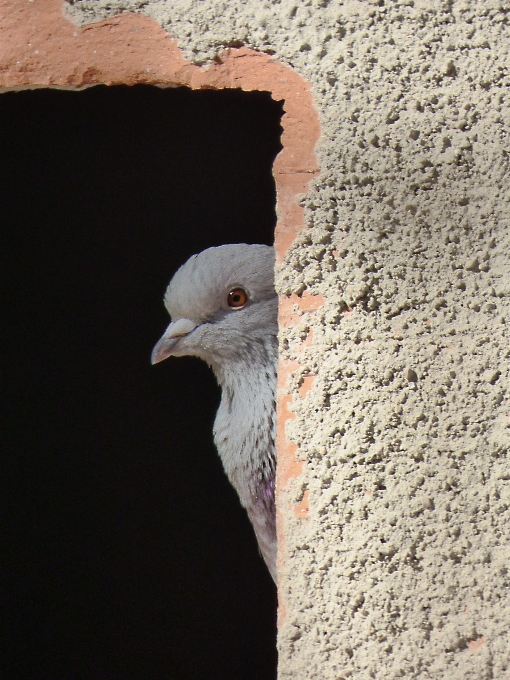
(256, 364)
(244, 429)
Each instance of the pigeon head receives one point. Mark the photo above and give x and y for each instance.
(223, 304)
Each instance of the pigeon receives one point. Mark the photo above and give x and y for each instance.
(223, 309)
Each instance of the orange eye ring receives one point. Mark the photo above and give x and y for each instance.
(237, 298)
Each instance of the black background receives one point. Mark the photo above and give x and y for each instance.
(127, 553)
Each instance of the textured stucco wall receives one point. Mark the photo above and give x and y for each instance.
(395, 554)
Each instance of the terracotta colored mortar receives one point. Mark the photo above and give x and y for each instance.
(40, 47)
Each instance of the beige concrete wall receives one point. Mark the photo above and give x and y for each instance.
(394, 411)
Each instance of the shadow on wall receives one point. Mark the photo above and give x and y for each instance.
(129, 555)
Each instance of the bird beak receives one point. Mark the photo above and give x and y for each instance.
(170, 339)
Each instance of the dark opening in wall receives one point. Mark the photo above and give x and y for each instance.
(128, 553)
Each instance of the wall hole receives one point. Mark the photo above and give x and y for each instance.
(129, 554)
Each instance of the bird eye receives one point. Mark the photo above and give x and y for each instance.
(237, 298)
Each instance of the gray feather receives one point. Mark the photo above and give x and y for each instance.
(240, 345)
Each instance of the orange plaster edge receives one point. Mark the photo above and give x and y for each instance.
(476, 645)
(291, 310)
(40, 47)
(306, 385)
(288, 316)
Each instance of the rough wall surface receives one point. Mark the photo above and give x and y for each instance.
(395, 559)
